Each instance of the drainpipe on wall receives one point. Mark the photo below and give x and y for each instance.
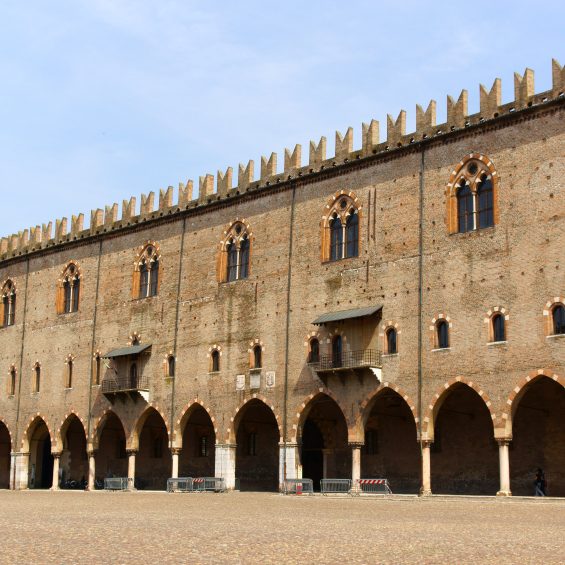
(420, 301)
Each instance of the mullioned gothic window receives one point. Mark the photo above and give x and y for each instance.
(8, 305)
(472, 195)
(340, 228)
(68, 290)
(235, 253)
(146, 272)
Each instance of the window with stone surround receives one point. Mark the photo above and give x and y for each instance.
(8, 304)
(554, 315)
(314, 350)
(146, 272)
(68, 289)
(235, 253)
(36, 387)
(472, 195)
(497, 327)
(440, 332)
(340, 228)
(391, 341)
(12, 382)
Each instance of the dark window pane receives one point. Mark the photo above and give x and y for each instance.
(314, 351)
(559, 319)
(12, 316)
(67, 292)
(484, 193)
(76, 292)
(442, 335)
(171, 366)
(337, 351)
(336, 239)
(244, 259)
(12, 382)
(257, 356)
(465, 209)
(232, 262)
(6, 304)
(391, 341)
(143, 280)
(352, 235)
(499, 333)
(154, 278)
(133, 376)
(215, 361)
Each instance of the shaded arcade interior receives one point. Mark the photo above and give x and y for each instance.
(153, 463)
(40, 458)
(111, 457)
(197, 456)
(5, 449)
(74, 459)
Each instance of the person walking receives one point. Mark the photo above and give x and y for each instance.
(539, 483)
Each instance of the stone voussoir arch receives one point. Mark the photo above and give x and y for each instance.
(231, 431)
(133, 438)
(62, 429)
(2, 421)
(99, 427)
(305, 405)
(441, 394)
(32, 424)
(181, 421)
(513, 400)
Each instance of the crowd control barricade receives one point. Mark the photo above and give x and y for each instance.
(180, 484)
(335, 486)
(298, 486)
(209, 484)
(118, 483)
(372, 486)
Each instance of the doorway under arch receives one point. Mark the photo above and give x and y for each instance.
(74, 459)
(464, 454)
(40, 458)
(257, 452)
(324, 451)
(110, 457)
(5, 451)
(197, 456)
(538, 438)
(153, 462)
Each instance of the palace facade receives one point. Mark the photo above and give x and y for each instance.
(395, 311)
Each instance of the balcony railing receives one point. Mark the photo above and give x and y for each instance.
(126, 383)
(348, 360)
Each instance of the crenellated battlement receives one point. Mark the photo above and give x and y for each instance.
(107, 219)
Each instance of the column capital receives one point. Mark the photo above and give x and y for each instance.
(226, 445)
(91, 452)
(56, 454)
(131, 452)
(503, 441)
(288, 444)
(426, 443)
(356, 444)
(176, 450)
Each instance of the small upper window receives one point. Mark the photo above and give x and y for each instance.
(70, 366)
(337, 351)
(340, 236)
(236, 253)
(215, 361)
(8, 305)
(69, 290)
(12, 390)
(391, 347)
(146, 274)
(171, 366)
(37, 377)
(498, 328)
(472, 202)
(257, 357)
(558, 319)
(442, 334)
(314, 352)
(97, 369)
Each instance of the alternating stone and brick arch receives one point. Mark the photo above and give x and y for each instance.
(68, 288)
(147, 271)
(5, 454)
(255, 352)
(340, 224)
(440, 332)
(390, 336)
(235, 251)
(8, 303)
(496, 321)
(38, 442)
(312, 345)
(472, 195)
(215, 356)
(554, 316)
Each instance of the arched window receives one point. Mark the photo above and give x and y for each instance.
(442, 334)
(257, 357)
(236, 253)
(97, 369)
(314, 353)
(472, 201)
(70, 373)
(558, 318)
(68, 292)
(171, 366)
(340, 235)
(215, 361)
(37, 378)
(498, 328)
(8, 304)
(133, 376)
(146, 274)
(12, 381)
(337, 351)
(391, 347)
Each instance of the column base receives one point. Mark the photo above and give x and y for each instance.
(425, 492)
(54, 488)
(503, 493)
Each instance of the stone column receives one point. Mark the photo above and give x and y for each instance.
(56, 461)
(225, 463)
(504, 467)
(91, 470)
(426, 488)
(131, 453)
(289, 457)
(175, 452)
(355, 462)
(19, 479)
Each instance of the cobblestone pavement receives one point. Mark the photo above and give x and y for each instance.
(99, 527)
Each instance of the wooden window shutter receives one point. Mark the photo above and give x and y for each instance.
(135, 284)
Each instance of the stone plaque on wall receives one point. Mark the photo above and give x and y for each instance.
(240, 382)
(270, 379)
(254, 380)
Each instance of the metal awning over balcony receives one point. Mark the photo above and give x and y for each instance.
(125, 351)
(346, 315)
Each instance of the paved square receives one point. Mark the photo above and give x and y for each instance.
(77, 527)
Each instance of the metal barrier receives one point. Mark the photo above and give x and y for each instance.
(335, 486)
(209, 484)
(118, 483)
(180, 484)
(372, 486)
(298, 486)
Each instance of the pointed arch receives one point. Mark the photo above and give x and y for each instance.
(147, 271)
(133, 440)
(231, 432)
(59, 438)
(68, 288)
(8, 303)
(5, 424)
(99, 425)
(235, 251)
(33, 424)
(185, 415)
(439, 397)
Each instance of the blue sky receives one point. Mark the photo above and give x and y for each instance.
(101, 100)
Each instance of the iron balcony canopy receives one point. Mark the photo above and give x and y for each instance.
(125, 351)
(346, 315)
